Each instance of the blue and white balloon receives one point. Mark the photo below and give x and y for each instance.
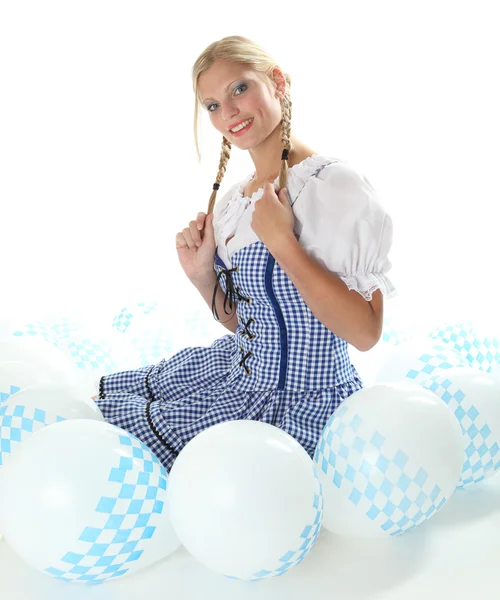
(416, 360)
(91, 503)
(474, 398)
(16, 375)
(36, 407)
(388, 459)
(481, 351)
(245, 500)
(44, 358)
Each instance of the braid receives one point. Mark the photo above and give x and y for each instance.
(224, 159)
(286, 110)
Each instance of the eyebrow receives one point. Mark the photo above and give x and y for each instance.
(225, 90)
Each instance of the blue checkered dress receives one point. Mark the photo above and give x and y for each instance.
(282, 366)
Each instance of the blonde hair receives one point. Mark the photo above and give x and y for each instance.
(238, 49)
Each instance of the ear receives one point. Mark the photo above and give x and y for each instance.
(279, 81)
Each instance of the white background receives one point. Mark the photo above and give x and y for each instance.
(98, 172)
(98, 169)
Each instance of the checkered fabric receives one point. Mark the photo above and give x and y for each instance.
(432, 360)
(125, 317)
(38, 328)
(305, 541)
(480, 351)
(124, 518)
(17, 422)
(389, 487)
(482, 452)
(295, 374)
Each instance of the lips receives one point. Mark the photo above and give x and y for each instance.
(237, 123)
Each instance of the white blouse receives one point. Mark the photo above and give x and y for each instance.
(338, 221)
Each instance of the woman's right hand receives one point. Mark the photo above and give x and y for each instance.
(195, 247)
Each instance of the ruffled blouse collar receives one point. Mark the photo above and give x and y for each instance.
(300, 170)
(225, 224)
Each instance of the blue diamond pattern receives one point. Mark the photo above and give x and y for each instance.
(17, 422)
(482, 456)
(306, 541)
(391, 489)
(138, 484)
(481, 352)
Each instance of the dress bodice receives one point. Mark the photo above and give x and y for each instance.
(280, 343)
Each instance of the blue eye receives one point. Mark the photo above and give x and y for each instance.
(243, 85)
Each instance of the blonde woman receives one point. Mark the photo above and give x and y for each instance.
(292, 260)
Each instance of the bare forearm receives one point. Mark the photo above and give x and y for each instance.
(206, 290)
(346, 313)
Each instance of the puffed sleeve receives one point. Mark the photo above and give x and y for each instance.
(346, 229)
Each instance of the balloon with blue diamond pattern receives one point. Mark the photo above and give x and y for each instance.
(388, 459)
(37, 406)
(481, 349)
(474, 398)
(245, 500)
(15, 375)
(416, 360)
(92, 356)
(84, 502)
(43, 357)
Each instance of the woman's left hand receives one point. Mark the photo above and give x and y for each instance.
(272, 218)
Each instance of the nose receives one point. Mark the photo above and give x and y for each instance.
(229, 111)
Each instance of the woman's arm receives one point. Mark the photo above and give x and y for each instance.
(345, 312)
(206, 289)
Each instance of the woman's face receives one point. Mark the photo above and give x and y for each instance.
(232, 93)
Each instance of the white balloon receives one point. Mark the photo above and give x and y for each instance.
(474, 398)
(480, 346)
(91, 505)
(245, 499)
(388, 459)
(416, 360)
(495, 371)
(16, 375)
(91, 355)
(44, 356)
(35, 407)
(21, 325)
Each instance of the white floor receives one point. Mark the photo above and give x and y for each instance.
(455, 555)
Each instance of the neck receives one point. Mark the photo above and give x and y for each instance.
(267, 156)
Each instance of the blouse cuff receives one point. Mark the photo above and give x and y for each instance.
(366, 283)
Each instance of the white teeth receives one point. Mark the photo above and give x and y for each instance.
(241, 126)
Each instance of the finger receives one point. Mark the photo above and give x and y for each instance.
(195, 232)
(186, 232)
(180, 242)
(201, 219)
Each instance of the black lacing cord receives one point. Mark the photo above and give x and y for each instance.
(242, 361)
(247, 331)
(231, 293)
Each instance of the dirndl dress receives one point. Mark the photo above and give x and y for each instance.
(282, 367)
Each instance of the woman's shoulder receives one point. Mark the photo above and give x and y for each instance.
(339, 180)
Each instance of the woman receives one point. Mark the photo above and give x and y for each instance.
(300, 271)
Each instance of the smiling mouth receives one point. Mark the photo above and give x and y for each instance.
(248, 123)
